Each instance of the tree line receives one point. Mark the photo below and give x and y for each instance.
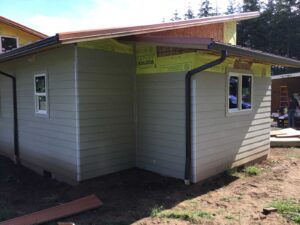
(276, 30)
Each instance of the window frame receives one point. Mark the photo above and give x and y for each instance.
(38, 94)
(6, 36)
(238, 110)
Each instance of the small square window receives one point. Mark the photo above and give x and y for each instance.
(42, 103)
(40, 84)
(40, 94)
(8, 44)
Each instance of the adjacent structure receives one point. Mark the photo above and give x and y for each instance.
(14, 35)
(283, 86)
(175, 98)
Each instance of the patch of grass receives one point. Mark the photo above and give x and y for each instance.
(156, 210)
(235, 172)
(252, 170)
(176, 215)
(229, 217)
(204, 214)
(293, 156)
(186, 216)
(288, 208)
(232, 172)
(225, 199)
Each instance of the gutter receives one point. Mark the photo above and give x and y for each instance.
(255, 54)
(16, 128)
(30, 48)
(188, 137)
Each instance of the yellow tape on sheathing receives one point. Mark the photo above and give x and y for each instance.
(110, 45)
(261, 69)
(147, 62)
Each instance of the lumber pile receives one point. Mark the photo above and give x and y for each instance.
(285, 138)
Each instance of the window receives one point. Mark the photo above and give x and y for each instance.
(40, 94)
(8, 43)
(239, 92)
(233, 92)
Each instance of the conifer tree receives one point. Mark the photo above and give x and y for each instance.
(205, 9)
(231, 8)
(189, 13)
(175, 17)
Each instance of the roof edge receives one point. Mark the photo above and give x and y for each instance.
(256, 54)
(287, 75)
(77, 36)
(22, 27)
(30, 48)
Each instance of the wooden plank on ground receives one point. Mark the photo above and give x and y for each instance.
(281, 131)
(289, 132)
(57, 212)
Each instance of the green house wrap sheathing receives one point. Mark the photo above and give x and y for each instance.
(147, 61)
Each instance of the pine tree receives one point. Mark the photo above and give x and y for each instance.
(206, 9)
(251, 5)
(189, 13)
(231, 8)
(175, 17)
(277, 30)
(250, 32)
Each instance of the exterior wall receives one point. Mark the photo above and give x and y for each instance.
(103, 118)
(219, 141)
(6, 118)
(46, 143)
(161, 123)
(23, 37)
(105, 90)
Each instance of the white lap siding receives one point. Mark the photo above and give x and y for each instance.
(161, 123)
(221, 141)
(105, 88)
(46, 143)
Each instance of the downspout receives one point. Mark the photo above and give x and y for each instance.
(188, 138)
(16, 130)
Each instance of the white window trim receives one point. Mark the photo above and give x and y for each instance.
(5, 36)
(36, 95)
(239, 110)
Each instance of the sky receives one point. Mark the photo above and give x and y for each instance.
(53, 16)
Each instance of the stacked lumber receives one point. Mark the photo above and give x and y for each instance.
(285, 138)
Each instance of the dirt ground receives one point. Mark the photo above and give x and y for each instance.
(139, 197)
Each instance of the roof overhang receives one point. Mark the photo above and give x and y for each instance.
(209, 44)
(133, 34)
(30, 48)
(90, 35)
(284, 76)
(22, 27)
(191, 43)
(255, 54)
